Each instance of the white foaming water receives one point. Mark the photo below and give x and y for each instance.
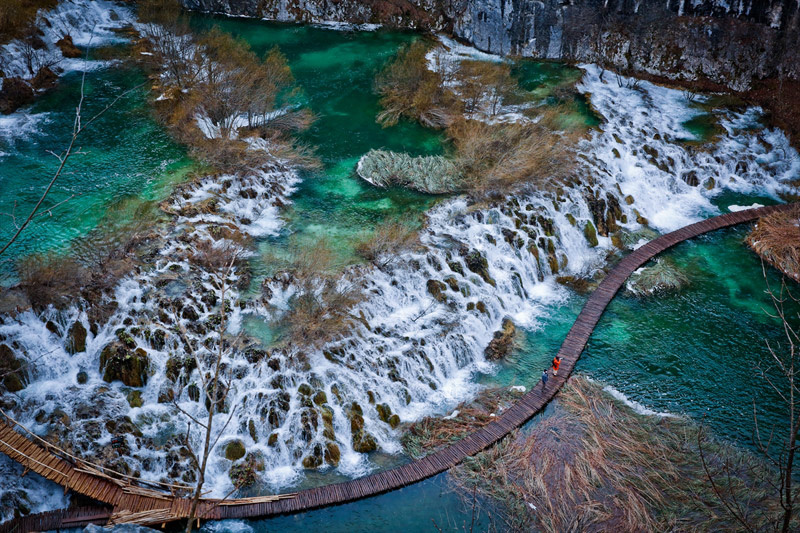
(88, 22)
(428, 315)
(20, 125)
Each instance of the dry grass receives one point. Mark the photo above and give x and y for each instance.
(595, 465)
(776, 238)
(497, 158)
(320, 308)
(431, 433)
(388, 239)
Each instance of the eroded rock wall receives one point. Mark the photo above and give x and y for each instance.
(729, 42)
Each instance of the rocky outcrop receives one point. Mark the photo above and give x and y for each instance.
(722, 41)
(500, 346)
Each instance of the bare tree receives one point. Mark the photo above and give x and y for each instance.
(219, 261)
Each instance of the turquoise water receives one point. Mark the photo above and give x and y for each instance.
(695, 352)
(419, 508)
(124, 154)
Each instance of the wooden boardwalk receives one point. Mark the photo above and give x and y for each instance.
(128, 502)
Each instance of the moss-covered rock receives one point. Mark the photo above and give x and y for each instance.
(235, 450)
(134, 398)
(119, 363)
(590, 233)
(332, 453)
(477, 263)
(437, 289)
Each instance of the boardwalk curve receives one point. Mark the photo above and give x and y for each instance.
(127, 501)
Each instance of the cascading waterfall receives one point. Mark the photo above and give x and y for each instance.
(424, 325)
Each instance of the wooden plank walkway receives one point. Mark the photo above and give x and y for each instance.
(127, 502)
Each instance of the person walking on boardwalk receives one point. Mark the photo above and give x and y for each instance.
(556, 364)
(545, 377)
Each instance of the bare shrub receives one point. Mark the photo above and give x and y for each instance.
(319, 310)
(386, 241)
(17, 16)
(431, 433)
(51, 279)
(483, 85)
(408, 89)
(495, 158)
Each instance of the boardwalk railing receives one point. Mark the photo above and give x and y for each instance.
(134, 504)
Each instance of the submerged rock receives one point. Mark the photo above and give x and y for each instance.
(663, 276)
(500, 346)
(429, 174)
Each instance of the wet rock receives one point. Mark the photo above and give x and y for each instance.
(125, 338)
(313, 460)
(118, 362)
(320, 398)
(503, 341)
(363, 442)
(193, 391)
(690, 178)
(272, 440)
(243, 475)
(332, 453)
(477, 263)
(579, 285)
(384, 412)
(234, 450)
(190, 313)
(76, 338)
(14, 94)
(67, 47)
(52, 327)
(44, 79)
(82, 377)
(591, 234)
(437, 289)
(134, 398)
(14, 378)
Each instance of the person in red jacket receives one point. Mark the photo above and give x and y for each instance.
(556, 364)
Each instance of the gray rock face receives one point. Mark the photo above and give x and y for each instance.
(728, 42)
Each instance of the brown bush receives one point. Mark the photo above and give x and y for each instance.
(595, 465)
(320, 309)
(408, 89)
(499, 157)
(388, 238)
(17, 16)
(51, 279)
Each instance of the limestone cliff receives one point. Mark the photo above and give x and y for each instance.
(729, 42)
